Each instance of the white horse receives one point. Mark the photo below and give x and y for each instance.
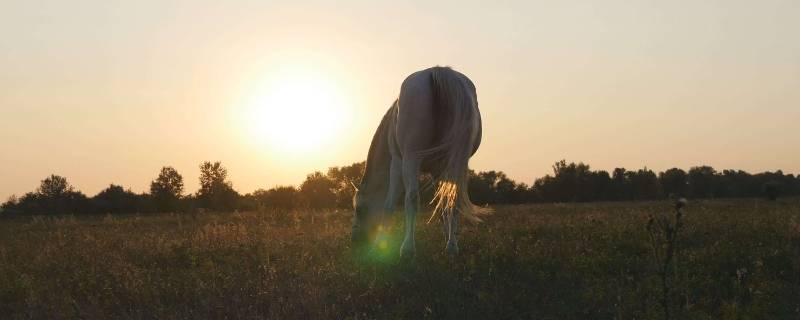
(435, 127)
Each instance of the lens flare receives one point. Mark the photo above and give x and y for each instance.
(383, 249)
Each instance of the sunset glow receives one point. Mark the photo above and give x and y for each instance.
(110, 92)
(294, 110)
(400, 159)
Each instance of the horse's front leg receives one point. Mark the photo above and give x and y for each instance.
(395, 186)
(410, 172)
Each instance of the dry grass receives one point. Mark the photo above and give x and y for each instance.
(736, 259)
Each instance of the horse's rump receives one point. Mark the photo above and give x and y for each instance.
(457, 110)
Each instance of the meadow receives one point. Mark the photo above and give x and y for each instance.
(735, 259)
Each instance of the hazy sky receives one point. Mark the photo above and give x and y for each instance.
(109, 92)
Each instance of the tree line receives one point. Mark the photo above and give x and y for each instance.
(569, 182)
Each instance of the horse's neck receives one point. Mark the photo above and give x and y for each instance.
(376, 173)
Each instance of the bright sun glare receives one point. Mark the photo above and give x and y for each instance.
(295, 111)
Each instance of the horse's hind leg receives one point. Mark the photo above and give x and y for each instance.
(451, 223)
(415, 131)
(410, 180)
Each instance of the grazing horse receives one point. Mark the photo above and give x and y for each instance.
(433, 127)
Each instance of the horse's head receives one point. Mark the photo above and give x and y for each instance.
(366, 213)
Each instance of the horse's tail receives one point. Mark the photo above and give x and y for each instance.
(458, 110)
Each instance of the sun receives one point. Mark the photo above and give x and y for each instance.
(295, 110)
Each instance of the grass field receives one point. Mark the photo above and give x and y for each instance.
(736, 259)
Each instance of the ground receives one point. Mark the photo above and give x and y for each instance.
(734, 259)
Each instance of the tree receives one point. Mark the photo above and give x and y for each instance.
(215, 191)
(116, 199)
(572, 182)
(343, 178)
(674, 182)
(317, 191)
(566, 181)
(620, 184)
(504, 188)
(772, 189)
(167, 189)
(521, 194)
(487, 187)
(702, 181)
(54, 186)
(600, 182)
(481, 187)
(644, 184)
(796, 184)
(55, 196)
(281, 197)
(733, 183)
(10, 205)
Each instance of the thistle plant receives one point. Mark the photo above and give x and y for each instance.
(663, 231)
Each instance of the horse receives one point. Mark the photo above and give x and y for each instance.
(434, 127)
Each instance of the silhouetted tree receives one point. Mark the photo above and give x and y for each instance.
(620, 185)
(522, 194)
(504, 188)
(601, 185)
(480, 188)
(702, 181)
(54, 186)
(281, 197)
(167, 189)
(569, 182)
(30, 202)
(674, 182)
(733, 183)
(796, 184)
(644, 184)
(216, 192)
(54, 196)
(10, 206)
(772, 189)
(492, 178)
(543, 189)
(343, 179)
(490, 187)
(116, 199)
(317, 191)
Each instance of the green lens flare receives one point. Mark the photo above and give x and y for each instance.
(381, 250)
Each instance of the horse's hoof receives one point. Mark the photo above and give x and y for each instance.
(407, 259)
(357, 238)
(407, 252)
(452, 250)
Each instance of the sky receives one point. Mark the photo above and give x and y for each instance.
(108, 92)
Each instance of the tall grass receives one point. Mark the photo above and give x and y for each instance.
(738, 259)
(663, 232)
